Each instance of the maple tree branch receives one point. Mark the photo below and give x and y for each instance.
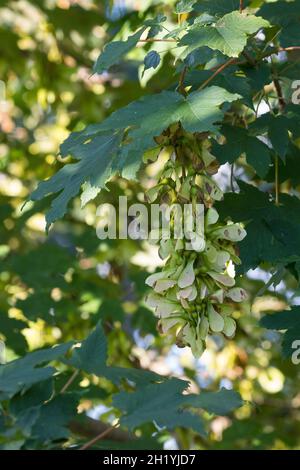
(89, 428)
(290, 48)
(264, 56)
(277, 188)
(278, 89)
(99, 437)
(249, 59)
(219, 70)
(232, 178)
(69, 381)
(181, 81)
(157, 40)
(282, 104)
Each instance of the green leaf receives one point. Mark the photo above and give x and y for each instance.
(277, 128)
(34, 397)
(218, 7)
(278, 226)
(91, 357)
(286, 15)
(152, 60)
(48, 265)
(22, 373)
(11, 329)
(289, 169)
(115, 51)
(229, 35)
(166, 405)
(239, 142)
(54, 418)
(99, 149)
(184, 6)
(95, 166)
(220, 403)
(25, 407)
(289, 321)
(228, 79)
(152, 114)
(160, 404)
(155, 25)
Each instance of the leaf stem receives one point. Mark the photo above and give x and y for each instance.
(157, 40)
(219, 70)
(232, 178)
(278, 88)
(276, 181)
(241, 6)
(264, 56)
(282, 104)
(99, 437)
(250, 59)
(181, 88)
(69, 381)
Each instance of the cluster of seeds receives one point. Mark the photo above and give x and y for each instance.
(194, 294)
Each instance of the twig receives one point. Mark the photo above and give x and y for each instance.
(70, 381)
(88, 428)
(264, 56)
(250, 59)
(277, 189)
(290, 48)
(232, 178)
(99, 437)
(181, 81)
(241, 6)
(219, 70)
(157, 40)
(282, 104)
(279, 93)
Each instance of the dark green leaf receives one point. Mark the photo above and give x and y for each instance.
(229, 35)
(290, 321)
(152, 60)
(115, 51)
(239, 142)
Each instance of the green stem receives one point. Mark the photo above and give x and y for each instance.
(277, 188)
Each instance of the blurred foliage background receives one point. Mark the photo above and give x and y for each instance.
(56, 287)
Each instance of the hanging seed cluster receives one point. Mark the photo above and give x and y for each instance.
(194, 295)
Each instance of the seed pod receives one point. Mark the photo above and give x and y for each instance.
(195, 290)
(237, 294)
(216, 321)
(203, 328)
(187, 276)
(189, 337)
(211, 217)
(222, 278)
(229, 327)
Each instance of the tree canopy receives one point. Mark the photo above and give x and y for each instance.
(189, 101)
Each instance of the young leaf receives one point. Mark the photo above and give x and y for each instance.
(277, 129)
(96, 166)
(184, 6)
(229, 35)
(152, 60)
(114, 51)
(289, 321)
(238, 142)
(99, 150)
(218, 7)
(17, 375)
(277, 226)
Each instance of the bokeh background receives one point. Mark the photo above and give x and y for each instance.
(55, 287)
